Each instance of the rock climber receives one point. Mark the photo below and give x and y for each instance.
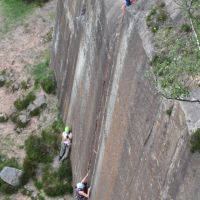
(127, 3)
(65, 144)
(82, 191)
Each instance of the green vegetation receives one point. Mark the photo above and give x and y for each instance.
(13, 12)
(156, 17)
(186, 28)
(57, 183)
(38, 184)
(29, 170)
(169, 111)
(177, 60)
(44, 77)
(58, 125)
(48, 37)
(15, 118)
(38, 2)
(41, 149)
(4, 187)
(36, 112)
(21, 104)
(3, 118)
(25, 85)
(195, 141)
(38, 149)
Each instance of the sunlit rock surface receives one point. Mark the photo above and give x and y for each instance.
(134, 149)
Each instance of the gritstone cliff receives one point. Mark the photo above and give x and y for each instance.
(135, 150)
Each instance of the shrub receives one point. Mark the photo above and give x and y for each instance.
(186, 28)
(4, 187)
(14, 117)
(22, 104)
(29, 171)
(44, 76)
(162, 16)
(3, 117)
(38, 150)
(24, 85)
(58, 125)
(35, 112)
(65, 171)
(57, 183)
(39, 2)
(195, 141)
(51, 140)
(156, 17)
(48, 83)
(38, 184)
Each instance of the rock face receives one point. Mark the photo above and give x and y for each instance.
(38, 103)
(23, 119)
(11, 175)
(2, 80)
(3, 117)
(121, 130)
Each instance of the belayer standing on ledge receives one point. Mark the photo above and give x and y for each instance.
(65, 144)
(82, 191)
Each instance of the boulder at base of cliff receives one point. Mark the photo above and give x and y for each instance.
(2, 80)
(11, 175)
(23, 119)
(3, 117)
(39, 103)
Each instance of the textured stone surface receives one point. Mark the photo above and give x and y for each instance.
(134, 149)
(11, 175)
(2, 80)
(37, 104)
(3, 117)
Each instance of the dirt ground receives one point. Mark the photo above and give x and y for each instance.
(20, 49)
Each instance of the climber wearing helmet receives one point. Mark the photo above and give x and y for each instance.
(65, 144)
(82, 191)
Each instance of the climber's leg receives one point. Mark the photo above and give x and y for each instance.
(66, 154)
(62, 150)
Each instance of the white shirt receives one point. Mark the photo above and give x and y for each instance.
(65, 139)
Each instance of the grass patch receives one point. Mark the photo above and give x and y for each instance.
(156, 17)
(42, 149)
(57, 183)
(38, 2)
(4, 187)
(58, 125)
(44, 77)
(29, 171)
(186, 28)
(177, 61)
(25, 85)
(13, 12)
(21, 104)
(195, 142)
(38, 184)
(3, 117)
(38, 150)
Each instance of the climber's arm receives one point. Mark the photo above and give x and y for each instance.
(84, 180)
(84, 194)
